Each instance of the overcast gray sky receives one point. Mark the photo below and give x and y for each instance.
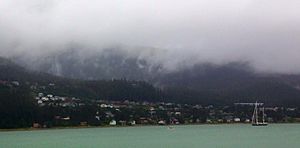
(264, 32)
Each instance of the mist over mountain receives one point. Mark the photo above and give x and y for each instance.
(207, 82)
(35, 82)
(193, 50)
(117, 63)
(107, 64)
(263, 33)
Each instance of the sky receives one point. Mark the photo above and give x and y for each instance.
(265, 33)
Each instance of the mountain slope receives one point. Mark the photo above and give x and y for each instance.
(98, 89)
(107, 64)
(198, 83)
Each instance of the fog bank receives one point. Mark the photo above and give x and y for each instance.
(173, 32)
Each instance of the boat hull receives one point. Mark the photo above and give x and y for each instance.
(259, 124)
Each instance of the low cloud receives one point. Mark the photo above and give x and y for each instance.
(264, 33)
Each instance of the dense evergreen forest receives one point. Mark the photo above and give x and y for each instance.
(17, 107)
(19, 87)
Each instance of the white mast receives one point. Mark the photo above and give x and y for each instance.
(255, 121)
(263, 118)
(256, 116)
(253, 116)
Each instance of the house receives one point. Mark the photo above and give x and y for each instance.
(16, 83)
(132, 122)
(113, 123)
(36, 125)
(103, 105)
(161, 122)
(177, 113)
(84, 123)
(208, 121)
(45, 99)
(220, 120)
(122, 122)
(66, 118)
(247, 120)
(40, 102)
(237, 120)
(143, 120)
(40, 95)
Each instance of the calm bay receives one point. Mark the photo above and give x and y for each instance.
(183, 136)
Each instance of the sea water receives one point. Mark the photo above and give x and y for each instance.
(182, 136)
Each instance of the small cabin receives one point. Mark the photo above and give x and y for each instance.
(113, 123)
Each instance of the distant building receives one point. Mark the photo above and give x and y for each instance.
(97, 117)
(208, 121)
(40, 95)
(45, 99)
(66, 118)
(122, 122)
(132, 122)
(103, 105)
(161, 122)
(40, 102)
(249, 104)
(16, 83)
(237, 120)
(113, 123)
(36, 125)
(178, 113)
(220, 120)
(84, 123)
(143, 120)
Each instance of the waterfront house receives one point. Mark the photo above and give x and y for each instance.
(132, 122)
(161, 122)
(36, 125)
(237, 120)
(113, 123)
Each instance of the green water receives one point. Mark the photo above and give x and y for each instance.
(190, 136)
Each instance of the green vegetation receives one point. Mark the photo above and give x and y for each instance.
(19, 88)
(17, 108)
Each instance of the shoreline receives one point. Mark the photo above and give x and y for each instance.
(120, 126)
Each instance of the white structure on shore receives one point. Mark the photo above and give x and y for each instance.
(113, 122)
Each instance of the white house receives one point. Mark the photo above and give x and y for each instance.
(113, 122)
(161, 122)
(237, 120)
(132, 122)
(45, 99)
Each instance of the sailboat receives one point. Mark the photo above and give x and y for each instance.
(255, 119)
